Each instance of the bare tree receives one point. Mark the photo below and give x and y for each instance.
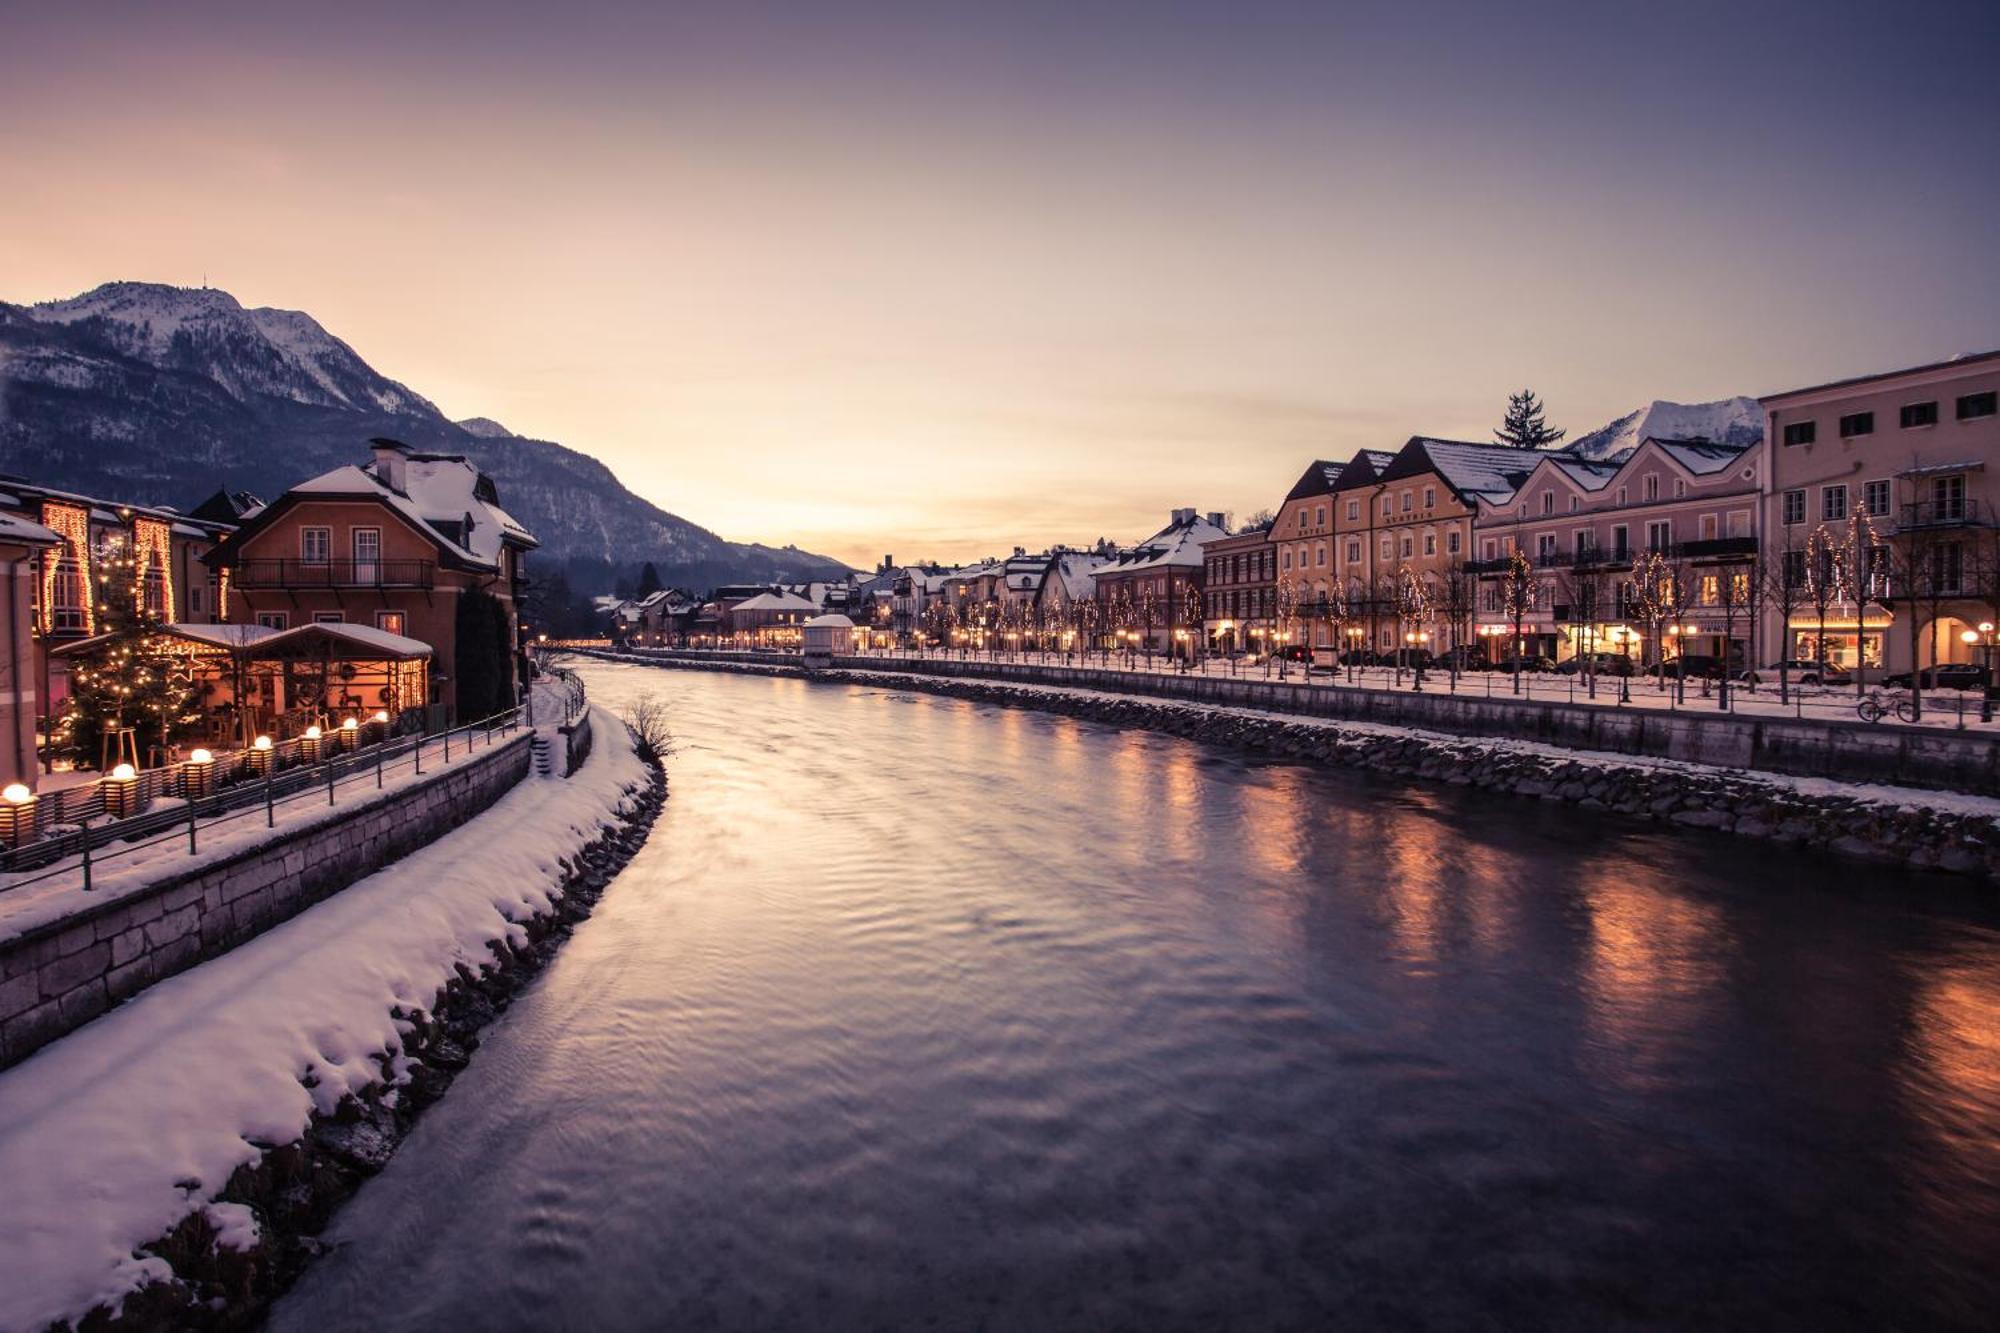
(652, 738)
(1784, 587)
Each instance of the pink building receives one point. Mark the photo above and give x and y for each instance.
(1680, 515)
(1879, 491)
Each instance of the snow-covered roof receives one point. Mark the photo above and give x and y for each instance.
(1701, 457)
(231, 636)
(776, 601)
(829, 622)
(1489, 473)
(1178, 546)
(441, 496)
(360, 636)
(1078, 572)
(16, 529)
(1319, 478)
(1364, 467)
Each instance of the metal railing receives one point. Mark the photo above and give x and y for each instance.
(289, 573)
(1947, 514)
(77, 845)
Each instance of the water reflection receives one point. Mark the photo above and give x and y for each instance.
(921, 1013)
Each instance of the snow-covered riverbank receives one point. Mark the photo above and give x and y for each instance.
(115, 1135)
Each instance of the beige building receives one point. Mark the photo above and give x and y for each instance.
(1879, 490)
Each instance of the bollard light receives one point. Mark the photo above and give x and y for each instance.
(350, 733)
(17, 814)
(121, 792)
(309, 745)
(260, 756)
(198, 775)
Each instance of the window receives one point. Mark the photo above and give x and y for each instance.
(1486, 549)
(1430, 543)
(1977, 405)
(1580, 542)
(1875, 498)
(1548, 502)
(1948, 498)
(1622, 495)
(1739, 523)
(1288, 557)
(272, 619)
(1319, 555)
(1354, 553)
(1680, 488)
(1860, 423)
(1574, 504)
(1947, 567)
(328, 618)
(1801, 432)
(1409, 548)
(1388, 549)
(367, 554)
(1431, 492)
(1918, 414)
(1388, 506)
(1659, 535)
(1545, 545)
(315, 545)
(1451, 543)
(1319, 515)
(1795, 506)
(1409, 501)
(1652, 488)
(1709, 524)
(1354, 510)
(1833, 503)
(391, 621)
(1711, 589)
(1621, 545)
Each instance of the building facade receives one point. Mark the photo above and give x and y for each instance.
(1240, 591)
(1150, 597)
(1879, 496)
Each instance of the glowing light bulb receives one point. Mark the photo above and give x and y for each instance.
(124, 772)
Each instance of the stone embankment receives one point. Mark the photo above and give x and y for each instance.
(1922, 829)
(293, 1189)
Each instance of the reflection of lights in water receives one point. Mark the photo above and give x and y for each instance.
(1951, 1084)
(1181, 781)
(1655, 962)
(1274, 809)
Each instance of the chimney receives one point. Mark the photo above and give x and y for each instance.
(390, 459)
(1183, 516)
(1219, 519)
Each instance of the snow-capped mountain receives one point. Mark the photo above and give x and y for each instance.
(163, 394)
(1726, 421)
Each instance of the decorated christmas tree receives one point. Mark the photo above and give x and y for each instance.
(130, 676)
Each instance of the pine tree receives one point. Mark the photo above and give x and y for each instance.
(1525, 426)
(649, 581)
(128, 679)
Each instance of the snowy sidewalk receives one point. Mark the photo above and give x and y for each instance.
(114, 1133)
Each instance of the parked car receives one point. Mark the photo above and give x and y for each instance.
(1294, 652)
(1949, 676)
(1465, 657)
(1529, 662)
(1362, 657)
(1605, 664)
(1800, 671)
(1694, 666)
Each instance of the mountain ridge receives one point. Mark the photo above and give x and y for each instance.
(161, 394)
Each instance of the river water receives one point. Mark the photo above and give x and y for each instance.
(921, 1013)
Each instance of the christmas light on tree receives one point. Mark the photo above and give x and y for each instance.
(128, 679)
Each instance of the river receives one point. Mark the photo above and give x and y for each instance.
(921, 1013)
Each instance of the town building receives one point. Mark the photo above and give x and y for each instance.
(1650, 553)
(411, 544)
(1069, 583)
(1878, 497)
(1150, 597)
(1240, 590)
(22, 546)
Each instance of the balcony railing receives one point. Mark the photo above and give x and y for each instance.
(1959, 513)
(1714, 547)
(335, 573)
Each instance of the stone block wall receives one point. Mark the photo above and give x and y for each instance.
(56, 977)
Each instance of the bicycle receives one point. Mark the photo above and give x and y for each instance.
(1875, 705)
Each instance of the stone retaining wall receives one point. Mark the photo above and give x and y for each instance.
(1874, 825)
(57, 977)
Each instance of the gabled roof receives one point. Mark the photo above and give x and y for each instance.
(1319, 478)
(1365, 467)
(776, 601)
(444, 497)
(1703, 458)
(1178, 545)
(1077, 571)
(1476, 473)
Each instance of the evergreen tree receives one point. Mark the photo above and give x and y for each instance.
(1525, 426)
(129, 678)
(649, 581)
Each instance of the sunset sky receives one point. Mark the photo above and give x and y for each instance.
(936, 278)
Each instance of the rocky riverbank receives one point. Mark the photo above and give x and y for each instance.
(1923, 829)
(230, 1259)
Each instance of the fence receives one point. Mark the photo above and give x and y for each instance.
(244, 785)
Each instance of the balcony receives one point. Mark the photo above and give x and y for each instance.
(295, 574)
(1715, 548)
(1959, 513)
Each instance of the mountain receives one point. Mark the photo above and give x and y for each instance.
(1726, 421)
(160, 395)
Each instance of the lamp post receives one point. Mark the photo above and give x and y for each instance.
(1415, 641)
(1623, 638)
(1983, 638)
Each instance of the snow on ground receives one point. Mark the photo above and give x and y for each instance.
(100, 1132)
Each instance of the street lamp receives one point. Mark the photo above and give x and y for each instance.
(1983, 638)
(1623, 638)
